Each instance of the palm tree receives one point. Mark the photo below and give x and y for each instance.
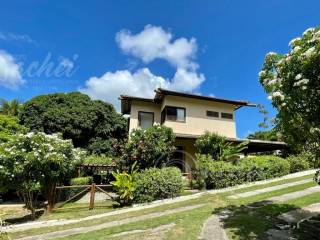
(10, 107)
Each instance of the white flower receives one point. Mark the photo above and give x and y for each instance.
(309, 52)
(278, 95)
(262, 73)
(30, 134)
(301, 82)
(270, 97)
(272, 82)
(309, 30)
(271, 54)
(299, 76)
(296, 49)
(294, 41)
(1, 166)
(283, 104)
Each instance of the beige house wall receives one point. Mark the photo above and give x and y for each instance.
(197, 121)
(137, 106)
(189, 151)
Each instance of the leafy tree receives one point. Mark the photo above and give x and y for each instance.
(218, 148)
(34, 163)
(91, 124)
(292, 82)
(270, 135)
(9, 126)
(10, 107)
(151, 147)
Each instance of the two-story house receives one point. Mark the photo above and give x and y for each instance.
(189, 116)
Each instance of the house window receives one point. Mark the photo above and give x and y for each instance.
(173, 114)
(227, 115)
(145, 119)
(212, 114)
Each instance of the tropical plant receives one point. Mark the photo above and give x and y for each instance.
(124, 185)
(35, 163)
(231, 151)
(9, 127)
(292, 82)
(218, 148)
(151, 147)
(91, 124)
(10, 107)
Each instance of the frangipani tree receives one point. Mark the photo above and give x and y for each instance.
(36, 162)
(292, 81)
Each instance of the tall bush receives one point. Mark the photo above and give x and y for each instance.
(154, 183)
(218, 148)
(34, 163)
(151, 147)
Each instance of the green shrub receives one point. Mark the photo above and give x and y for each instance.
(224, 174)
(98, 159)
(81, 181)
(298, 163)
(311, 158)
(210, 144)
(154, 183)
(218, 147)
(200, 170)
(151, 147)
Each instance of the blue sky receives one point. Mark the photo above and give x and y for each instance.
(107, 47)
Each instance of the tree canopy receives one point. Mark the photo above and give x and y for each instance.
(91, 124)
(292, 82)
(9, 126)
(36, 162)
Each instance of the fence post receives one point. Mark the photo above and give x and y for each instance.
(92, 193)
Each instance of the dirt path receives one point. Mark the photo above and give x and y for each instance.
(213, 229)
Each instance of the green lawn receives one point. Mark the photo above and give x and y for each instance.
(244, 223)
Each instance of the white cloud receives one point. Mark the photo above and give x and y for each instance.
(16, 37)
(155, 43)
(150, 44)
(10, 75)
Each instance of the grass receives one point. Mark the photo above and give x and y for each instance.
(244, 223)
(79, 210)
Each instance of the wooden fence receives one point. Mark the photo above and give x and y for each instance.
(93, 188)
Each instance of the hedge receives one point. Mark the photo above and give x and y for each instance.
(81, 181)
(298, 163)
(224, 174)
(157, 183)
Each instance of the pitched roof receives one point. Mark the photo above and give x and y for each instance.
(160, 93)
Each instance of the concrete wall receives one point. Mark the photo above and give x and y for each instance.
(137, 106)
(197, 121)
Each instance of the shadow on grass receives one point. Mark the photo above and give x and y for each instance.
(24, 218)
(252, 221)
